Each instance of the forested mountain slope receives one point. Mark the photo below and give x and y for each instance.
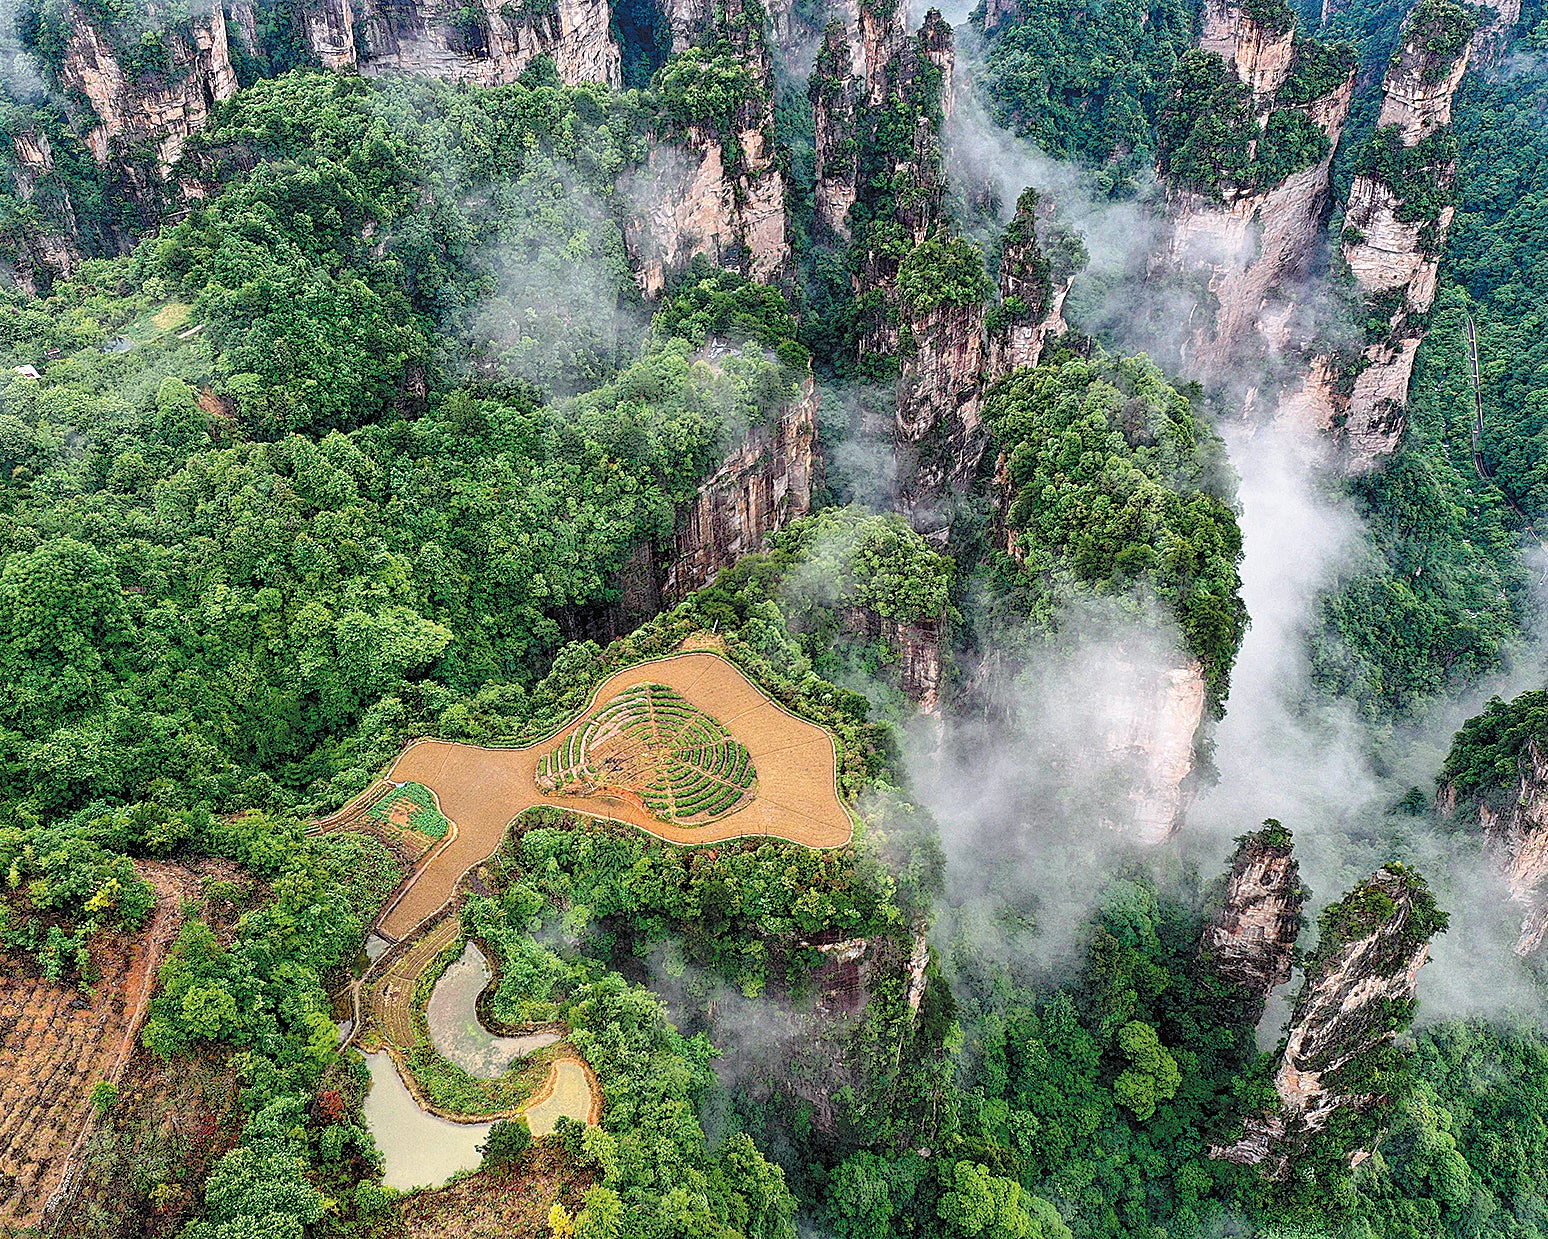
(373, 373)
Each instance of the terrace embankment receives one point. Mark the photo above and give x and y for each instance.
(481, 790)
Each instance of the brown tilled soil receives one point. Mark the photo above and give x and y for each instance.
(500, 1204)
(390, 997)
(481, 789)
(57, 1044)
(142, 1171)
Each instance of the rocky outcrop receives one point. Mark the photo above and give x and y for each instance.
(998, 12)
(488, 43)
(1493, 35)
(1395, 224)
(1151, 733)
(883, 36)
(1032, 287)
(1516, 829)
(719, 195)
(837, 154)
(1253, 242)
(762, 485)
(905, 181)
(1259, 50)
(46, 248)
(1358, 993)
(938, 432)
(158, 108)
(918, 648)
(1250, 942)
(952, 352)
(329, 30)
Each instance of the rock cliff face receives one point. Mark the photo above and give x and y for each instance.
(694, 200)
(762, 485)
(919, 648)
(955, 352)
(1517, 833)
(48, 248)
(1253, 242)
(1251, 940)
(160, 108)
(883, 26)
(1395, 225)
(1358, 993)
(488, 43)
(832, 90)
(1153, 733)
(1032, 292)
(1260, 53)
(938, 435)
(906, 82)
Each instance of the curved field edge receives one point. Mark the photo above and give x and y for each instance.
(390, 1012)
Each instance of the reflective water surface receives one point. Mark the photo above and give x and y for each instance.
(420, 1149)
(454, 1025)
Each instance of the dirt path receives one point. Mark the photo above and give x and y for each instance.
(58, 1046)
(481, 789)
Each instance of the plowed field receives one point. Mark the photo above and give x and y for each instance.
(481, 789)
(56, 1045)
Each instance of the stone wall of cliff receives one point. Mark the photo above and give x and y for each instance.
(1152, 731)
(1252, 242)
(47, 248)
(938, 432)
(705, 192)
(1033, 286)
(137, 107)
(1358, 993)
(1250, 941)
(487, 43)
(765, 482)
(1516, 828)
(1396, 219)
(832, 90)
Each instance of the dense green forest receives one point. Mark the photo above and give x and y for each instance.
(368, 439)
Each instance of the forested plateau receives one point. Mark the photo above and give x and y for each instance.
(754, 619)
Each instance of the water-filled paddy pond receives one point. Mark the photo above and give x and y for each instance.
(419, 1149)
(454, 1024)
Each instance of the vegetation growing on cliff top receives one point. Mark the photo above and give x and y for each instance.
(1486, 754)
(1114, 488)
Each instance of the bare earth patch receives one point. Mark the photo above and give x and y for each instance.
(511, 1203)
(57, 1044)
(482, 789)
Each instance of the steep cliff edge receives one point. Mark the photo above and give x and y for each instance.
(954, 344)
(1038, 264)
(133, 100)
(1250, 942)
(832, 90)
(763, 484)
(45, 244)
(1358, 993)
(901, 175)
(1246, 151)
(1396, 219)
(488, 43)
(1152, 732)
(1496, 781)
(712, 185)
(938, 433)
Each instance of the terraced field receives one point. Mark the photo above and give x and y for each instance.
(650, 743)
(56, 1045)
(790, 790)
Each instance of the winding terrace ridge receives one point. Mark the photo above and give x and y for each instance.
(481, 790)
